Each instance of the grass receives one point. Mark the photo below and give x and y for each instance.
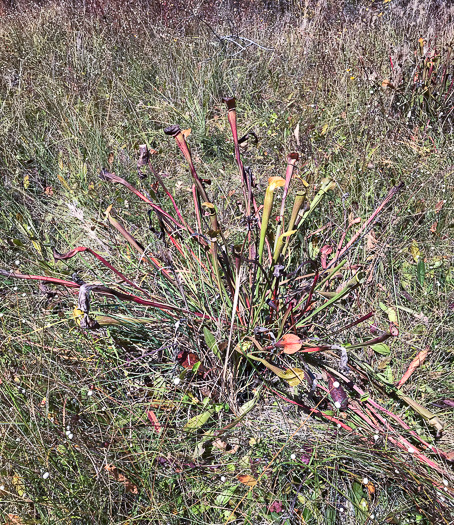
(115, 425)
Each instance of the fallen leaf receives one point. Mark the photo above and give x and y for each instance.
(186, 132)
(247, 480)
(387, 84)
(26, 181)
(371, 241)
(370, 489)
(49, 191)
(414, 250)
(13, 519)
(110, 158)
(417, 361)
(433, 228)
(130, 487)
(293, 376)
(154, 420)
(439, 206)
(290, 343)
(18, 483)
(187, 359)
(225, 447)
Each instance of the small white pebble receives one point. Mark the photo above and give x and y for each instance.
(90, 393)
(68, 427)
(396, 471)
(176, 380)
(341, 509)
(17, 262)
(411, 450)
(15, 288)
(68, 432)
(1, 314)
(45, 475)
(372, 516)
(365, 481)
(2, 487)
(337, 404)
(223, 478)
(336, 384)
(70, 436)
(376, 437)
(445, 482)
(23, 390)
(17, 440)
(293, 456)
(24, 294)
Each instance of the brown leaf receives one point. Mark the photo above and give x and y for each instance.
(372, 242)
(110, 158)
(387, 84)
(222, 445)
(417, 361)
(370, 489)
(433, 228)
(154, 420)
(130, 487)
(187, 359)
(13, 519)
(247, 480)
(439, 206)
(49, 191)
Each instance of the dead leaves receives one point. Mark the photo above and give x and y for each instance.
(13, 519)
(191, 361)
(117, 476)
(417, 361)
(154, 420)
(371, 241)
(247, 480)
(225, 447)
(187, 359)
(439, 206)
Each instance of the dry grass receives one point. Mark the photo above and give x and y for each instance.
(78, 85)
